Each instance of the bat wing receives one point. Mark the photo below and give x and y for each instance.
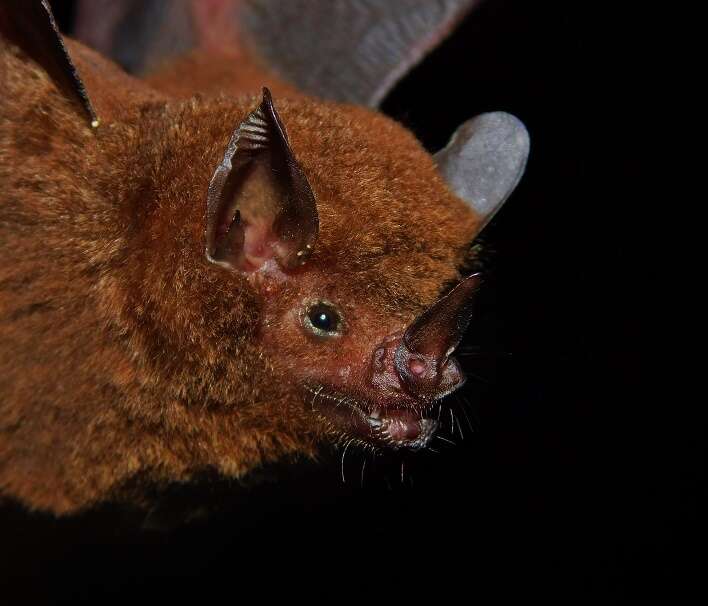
(345, 50)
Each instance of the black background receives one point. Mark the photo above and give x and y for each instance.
(580, 479)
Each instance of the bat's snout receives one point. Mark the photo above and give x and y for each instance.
(427, 378)
(407, 373)
(423, 359)
(398, 373)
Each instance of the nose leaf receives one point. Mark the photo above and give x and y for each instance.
(422, 357)
(440, 328)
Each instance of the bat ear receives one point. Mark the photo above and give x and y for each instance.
(260, 205)
(30, 25)
(484, 161)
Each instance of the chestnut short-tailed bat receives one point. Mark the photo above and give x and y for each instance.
(221, 263)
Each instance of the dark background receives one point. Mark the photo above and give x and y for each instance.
(581, 477)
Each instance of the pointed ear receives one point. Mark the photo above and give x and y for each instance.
(485, 160)
(30, 25)
(260, 205)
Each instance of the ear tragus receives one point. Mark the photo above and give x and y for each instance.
(30, 25)
(260, 205)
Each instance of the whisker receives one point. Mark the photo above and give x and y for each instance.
(459, 426)
(468, 406)
(476, 376)
(344, 452)
(469, 348)
(488, 354)
(446, 440)
(464, 412)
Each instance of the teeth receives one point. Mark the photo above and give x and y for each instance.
(374, 419)
(374, 422)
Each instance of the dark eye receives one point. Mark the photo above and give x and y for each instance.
(323, 320)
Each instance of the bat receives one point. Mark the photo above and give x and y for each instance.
(226, 257)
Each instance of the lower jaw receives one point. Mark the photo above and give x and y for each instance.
(386, 427)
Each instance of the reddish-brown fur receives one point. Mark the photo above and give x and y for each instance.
(124, 353)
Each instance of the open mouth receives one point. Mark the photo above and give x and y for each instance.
(394, 427)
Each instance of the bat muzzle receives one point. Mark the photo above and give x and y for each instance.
(423, 359)
(408, 374)
(394, 426)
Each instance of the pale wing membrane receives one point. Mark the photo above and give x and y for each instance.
(348, 50)
(139, 35)
(345, 50)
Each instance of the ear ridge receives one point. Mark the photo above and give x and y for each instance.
(30, 25)
(253, 132)
(290, 227)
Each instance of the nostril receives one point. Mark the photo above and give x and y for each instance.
(417, 367)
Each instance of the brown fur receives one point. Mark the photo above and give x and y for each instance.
(123, 352)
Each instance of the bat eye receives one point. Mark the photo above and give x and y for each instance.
(323, 320)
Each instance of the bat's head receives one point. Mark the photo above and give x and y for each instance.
(352, 241)
(306, 281)
(320, 294)
(236, 306)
